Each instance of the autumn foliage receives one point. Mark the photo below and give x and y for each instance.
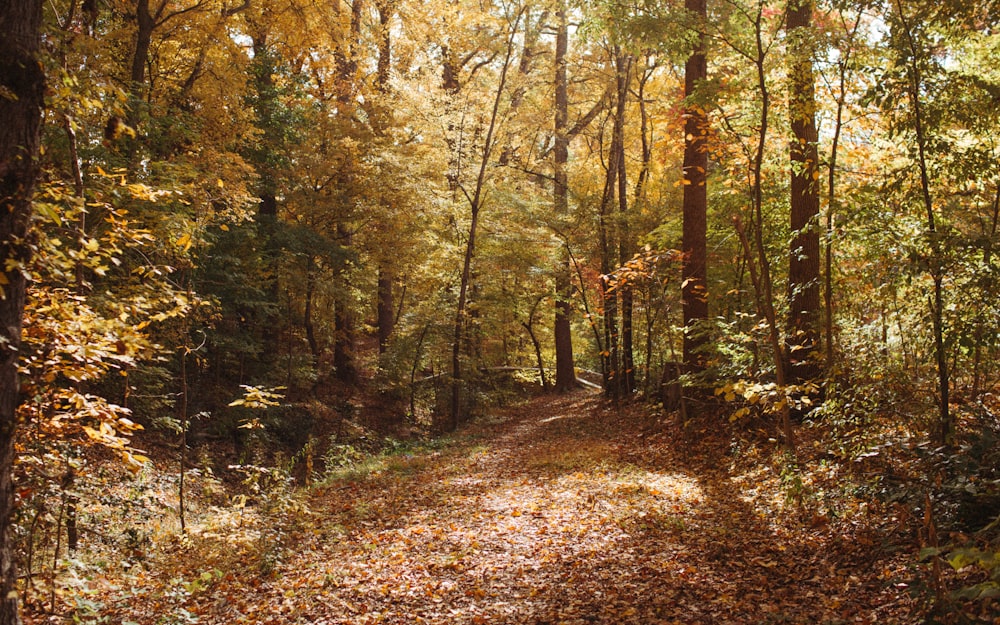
(294, 273)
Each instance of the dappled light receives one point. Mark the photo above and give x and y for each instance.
(520, 519)
(464, 312)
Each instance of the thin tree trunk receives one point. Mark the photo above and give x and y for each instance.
(761, 276)
(625, 248)
(832, 200)
(71, 500)
(945, 427)
(343, 321)
(529, 325)
(386, 307)
(22, 79)
(307, 315)
(609, 298)
(475, 205)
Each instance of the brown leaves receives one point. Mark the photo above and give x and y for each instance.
(556, 515)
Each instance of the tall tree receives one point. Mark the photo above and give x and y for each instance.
(475, 199)
(347, 66)
(914, 59)
(694, 285)
(386, 318)
(611, 355)
(623, 73)
(22, 90)
(565, 368)
(804, 257)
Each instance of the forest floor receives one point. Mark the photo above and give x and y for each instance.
(561, 510)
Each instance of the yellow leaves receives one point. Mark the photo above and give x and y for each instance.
(770, 397)
(134, 462)
(257, 397)
(184, 242)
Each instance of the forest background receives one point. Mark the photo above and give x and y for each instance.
(256, 226)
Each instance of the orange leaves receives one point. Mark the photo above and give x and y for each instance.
(559, 513)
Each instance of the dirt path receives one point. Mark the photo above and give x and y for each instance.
(560, 511)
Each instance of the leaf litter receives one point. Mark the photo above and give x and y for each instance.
(561, 511)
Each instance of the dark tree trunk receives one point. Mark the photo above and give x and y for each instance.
(694, 285)
(145, 24)
(386, 308)
(609, 297)
(343, 321)
(565, 367)
(307, 316)
(22, 79)
(804, 258)
(625, 248)
(529, 325)
(385, 9)
(343, 346)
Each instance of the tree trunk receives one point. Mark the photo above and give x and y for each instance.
(832, 200)
(21, 78)
(763, 284)
(945, 430)
(529, 325)
(343, 321)
(145, 24)
(307, 315)
(386, 308)
(804, 257)
(475, 204)
(694, 271)
(625, 248)
(565, 367)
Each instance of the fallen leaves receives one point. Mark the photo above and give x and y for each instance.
(564, 516)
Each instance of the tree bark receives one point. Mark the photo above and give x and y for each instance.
(609, 298)
(625, 247)
(804, 256)
(23, 82)
(694, 270)
(307, 315)
(145, 24)
(343, 322)
(565, 367)
(385, 306)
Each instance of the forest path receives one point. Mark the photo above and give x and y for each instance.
(558, 511)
